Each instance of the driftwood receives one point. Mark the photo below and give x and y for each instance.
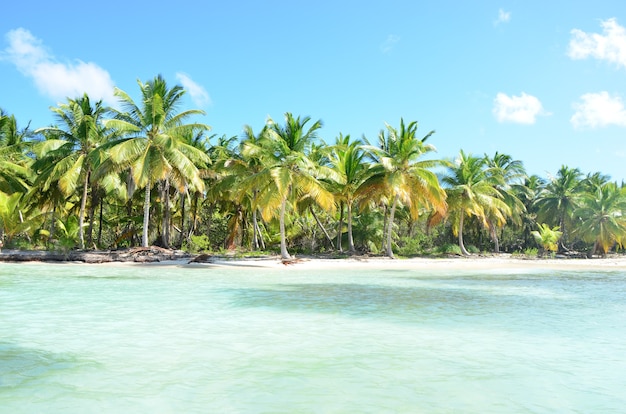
(136, 254)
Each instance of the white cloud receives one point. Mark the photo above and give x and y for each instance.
(598, 110)
(503, 17)
(522, 109)
(52, 78)
(611, 45)
(199, 95)
(389, 43)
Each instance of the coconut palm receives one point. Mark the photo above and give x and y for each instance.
(510, 183)
(348, 159)
(472, 189)
(559, 198)
(287, 174)
(547, 238)
(73, 152)
(15, 171)
(602, 219)
(154, 145)
(401, 175)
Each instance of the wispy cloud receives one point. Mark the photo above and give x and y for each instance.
(388, 45)
(598, 110)
(57, 80)
(503, 17)
(610, 45)
(199, 95)
(522, 109)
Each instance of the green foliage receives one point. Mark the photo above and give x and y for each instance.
(531, 252)
(547, 237)
(68, 231)
(473, 249)
(420, 243)
(199, 243)
(449, 249)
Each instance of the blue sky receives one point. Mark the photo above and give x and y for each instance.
(542, 81)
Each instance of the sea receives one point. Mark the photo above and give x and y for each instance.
(173, 338)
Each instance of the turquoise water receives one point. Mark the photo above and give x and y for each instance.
(173, 339)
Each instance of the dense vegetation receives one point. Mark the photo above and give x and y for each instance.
(147, 174)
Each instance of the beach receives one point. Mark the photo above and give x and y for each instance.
(460, 263)
(155, 256)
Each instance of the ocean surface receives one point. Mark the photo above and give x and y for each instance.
(203, 339)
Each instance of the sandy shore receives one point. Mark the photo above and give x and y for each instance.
(461, 263)
(161, 257)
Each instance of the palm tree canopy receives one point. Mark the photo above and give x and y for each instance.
(155, 144)
(602, 216)
(400, 171)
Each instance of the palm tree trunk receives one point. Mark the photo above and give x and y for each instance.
(81, 214)
(165, 234)
(146, 216)
(321, 226)
(351, 248)
(284, 254)
(461, 245)
(259, 234)
(255, 231)
(92, 213)
(182, 218)
(338, 246)
(494, 236)
(388, 249)
(100, 219)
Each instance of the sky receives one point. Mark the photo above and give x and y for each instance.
(544, 82)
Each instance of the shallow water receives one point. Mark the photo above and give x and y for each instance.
(170, 339)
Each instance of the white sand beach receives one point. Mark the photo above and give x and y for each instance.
(461, 263)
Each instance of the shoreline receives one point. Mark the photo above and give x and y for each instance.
(154, 256)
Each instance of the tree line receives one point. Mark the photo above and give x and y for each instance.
(104, 178)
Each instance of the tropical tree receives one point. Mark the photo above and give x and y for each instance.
(472, 189)
(602, 217)
(15, 171)
(509, 181)
(556, 202)
(287, 174)
(73, 152)
(348, 159)
(400, 174)
(547, 237)
(154, 145)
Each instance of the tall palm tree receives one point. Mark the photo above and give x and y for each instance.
(559, 198)
(472, 190)
(400, 174)
(602, 218)
(348, 159)
(15, 171)
(74, 151)
(287, 172)
(510, 183)
(154, 147)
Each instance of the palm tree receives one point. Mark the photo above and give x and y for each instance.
(287, 173)
(154, 147)
(510, 183)
(400, 174)
(472, 190)
(602, 218)
(348, 159)
(74, 152)
(547, 238)
(559, 198)
(15, 171)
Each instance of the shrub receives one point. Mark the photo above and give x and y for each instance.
(450, 248)
(199, 243)
(531, 252)
(472, 249)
